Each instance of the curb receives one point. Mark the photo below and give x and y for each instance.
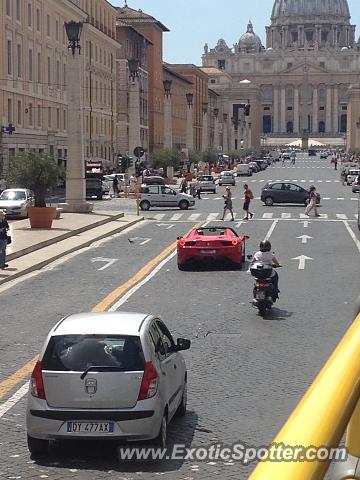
(59, 238)
(87, 243)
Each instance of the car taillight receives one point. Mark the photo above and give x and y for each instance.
(262, 285)
(37, 383)
(235, 242)
(182, 243)
(149, 382)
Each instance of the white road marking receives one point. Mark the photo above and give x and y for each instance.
(328, 181)
(306, 223)
(302, 215)
(302, 261)
(286, 215)
(108, 262)
(340, 198)
(14, 399)
(147, 240)
(353, 198)
(352, 235)
(304, 238)
(326, 198)
(159, 216)
(176, 216)
(271, 229)
(341, 216)
(324, 215)
(212, 216)
(194, 216)
(268, 215)
(165, 225)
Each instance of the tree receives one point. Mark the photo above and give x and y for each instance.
(165, 158)
(37, 172)
(210, 156)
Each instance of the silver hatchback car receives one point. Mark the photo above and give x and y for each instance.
(106, 376)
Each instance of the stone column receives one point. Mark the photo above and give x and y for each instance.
(232, 137)
(328, 128)
(167, 121)
(283, 111)
(353, 129)
(336, 110)
(205, 136)
(216, 131)
(189, 127)
(134, 115)
(249, 139)
(296, 110)
(75, 166)
(276, 105)
(225, 141)
(315, 122)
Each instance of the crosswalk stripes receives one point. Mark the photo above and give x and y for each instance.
(175, 217)
(159, 216)
(324, 215)
(212, 216)
(194, 216)
(268, 215)
(286, 215)
(216, 216)
(341, 216)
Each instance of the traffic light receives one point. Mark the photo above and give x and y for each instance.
(138, 169)
(247, 110)
(130, 162)
(119, 158)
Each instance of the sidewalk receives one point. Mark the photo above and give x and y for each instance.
(32, 249)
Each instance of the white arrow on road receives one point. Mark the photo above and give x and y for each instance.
(144, 240)
(108, 261)
(167, 225)
(306, 223)
(304, 238)
(302, 259)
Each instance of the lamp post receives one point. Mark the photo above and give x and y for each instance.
(167, 115)
(134, 106)
(75, 167)
(225, 141)
(204, 141)
(189, 122)
(216, 129)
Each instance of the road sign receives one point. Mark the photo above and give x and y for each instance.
(139, 152)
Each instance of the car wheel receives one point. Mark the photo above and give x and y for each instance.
(268, 201)
(37, 446)
(99, 197)
(184, 205)
(181, 411)
(145, 205)
(181, 266)
(160, 440)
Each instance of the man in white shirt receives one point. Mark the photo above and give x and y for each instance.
(265, 256)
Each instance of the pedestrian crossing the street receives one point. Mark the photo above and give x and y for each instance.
(216, 216)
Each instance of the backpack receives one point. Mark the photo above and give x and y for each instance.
(250, 194)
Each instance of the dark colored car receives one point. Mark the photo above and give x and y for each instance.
(154, 180)
(284, 192)
(311, 152)
(94, 188)
(262, 164)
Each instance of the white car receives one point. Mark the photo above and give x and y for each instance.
(243, 169)
(226, 178)
(352, 175)
(15, 202)
(106, 376)
(164, 196)
(108, 180)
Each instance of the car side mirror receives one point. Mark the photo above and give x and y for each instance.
(183, 344)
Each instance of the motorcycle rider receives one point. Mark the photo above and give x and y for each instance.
(264, 255)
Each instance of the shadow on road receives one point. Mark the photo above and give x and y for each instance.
(102, 456)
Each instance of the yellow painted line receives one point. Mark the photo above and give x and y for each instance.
(16, 377)
(25, 371)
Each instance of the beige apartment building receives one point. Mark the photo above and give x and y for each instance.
(33, 87)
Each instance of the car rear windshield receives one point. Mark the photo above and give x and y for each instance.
(11, 195)
(206, 178)
(79, 352)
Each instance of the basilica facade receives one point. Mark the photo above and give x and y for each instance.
(303, 73)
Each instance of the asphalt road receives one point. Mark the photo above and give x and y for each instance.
(246, 374)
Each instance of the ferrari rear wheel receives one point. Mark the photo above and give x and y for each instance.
(181, 266)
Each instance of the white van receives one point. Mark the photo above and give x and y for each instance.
(243, 169)
(352, 175)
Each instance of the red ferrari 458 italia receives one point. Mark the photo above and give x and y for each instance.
(211, 244)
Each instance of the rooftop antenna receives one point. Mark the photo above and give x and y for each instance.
(125, 4)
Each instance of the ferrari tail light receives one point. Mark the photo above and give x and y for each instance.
(182, 243)
(235, 242)
(37, 388)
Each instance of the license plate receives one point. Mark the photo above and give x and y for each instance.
(90, 427)
(260, 295)
(208, 252)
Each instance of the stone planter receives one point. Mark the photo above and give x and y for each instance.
(41, 217)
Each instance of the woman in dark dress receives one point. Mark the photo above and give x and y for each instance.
(4, 227)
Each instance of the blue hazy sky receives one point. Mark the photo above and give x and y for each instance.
(192, 23)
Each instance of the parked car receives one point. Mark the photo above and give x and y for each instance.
(94, 188)
(324, 154)
(15, 202)
(356, 185)
(120, 177)
(261, 164)
(226, 178)
(254, 167)
(106, 375)
(352, 175)
(286, 155)
(243, 169)
(164, 196)
(268, 159)
(207, 183)
(211, 244)
(154, 180)
(284, 192)
(311, 152)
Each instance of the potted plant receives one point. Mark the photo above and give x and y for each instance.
(37, 172)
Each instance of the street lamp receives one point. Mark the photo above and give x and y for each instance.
(189, 98)
(73, 32)
(133, 67)
(167, 87)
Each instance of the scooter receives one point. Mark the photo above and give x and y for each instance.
(264, 292)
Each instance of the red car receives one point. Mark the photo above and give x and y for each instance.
(211, 244)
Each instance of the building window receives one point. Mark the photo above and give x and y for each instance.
(344, 107)
(267, 123)
(49, 117)
(19, 61)
(8, 8)
(266, 109)
(289, 108)
(290, 127)
(213, 80)
(309, 35)
(18, 10)
(38, 20)
(29, 15)
(48, 25)
(39, 67)
(321, 127)
(322, 108)
(221, 64)
(49, 70)
(19, 112)
(31, 120)
(30, 65)
(58, 118)
(9, 57)
(289, 65)
(39, 115)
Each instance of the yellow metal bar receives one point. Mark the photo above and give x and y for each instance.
(321, 417)
(353, 433)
